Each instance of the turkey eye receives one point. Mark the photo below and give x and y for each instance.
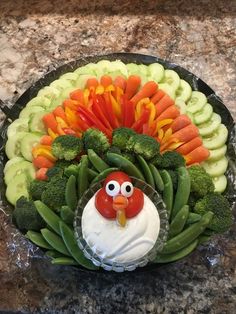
(127, 189)
(112, 188)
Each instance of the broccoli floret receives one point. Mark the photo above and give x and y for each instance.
(96, 140)
(36, 188)
(72, 170)
(62, 163)
(201, 181)
(218, 204)
(120, 137)
(26, 217)
(169, 160)
(53, 172)
(144, 145)
(128, 156)
(174, 178)
(54, 195)
(67, 147)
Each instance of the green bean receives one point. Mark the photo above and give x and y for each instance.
(55, 241)
(67, 215)
(72, 246)
(48, 216)
(125, 165)
(92, 174)
(146, 171)
(168, 192)
(192, 218)
(183, 190)
(64, 261)
(96, 161)
(157, 178)
(103, 174)
(38, 239)
(188, 235)
(177, 224)
(83, 176)
(168, 258)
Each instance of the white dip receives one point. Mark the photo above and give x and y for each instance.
(121, 244)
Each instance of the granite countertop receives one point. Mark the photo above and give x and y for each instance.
(37, 36)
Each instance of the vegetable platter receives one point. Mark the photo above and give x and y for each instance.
(112, 120)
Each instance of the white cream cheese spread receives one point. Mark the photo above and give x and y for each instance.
(121, 244)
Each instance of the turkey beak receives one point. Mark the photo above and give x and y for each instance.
(120, 203)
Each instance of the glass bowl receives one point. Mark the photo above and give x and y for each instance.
(125, 266)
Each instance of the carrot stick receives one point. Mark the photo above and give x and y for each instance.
(156, 97)
(180, 122)
(106, 80)
(92, 82)
(171, 112)
(46, 140)
(42, 162)
(148, 90)
(132, 85)
(197, 155)
(50, 122)
(120, 82)
(78, 94)
(186, 134)
(59, 112)
(189, 146)
(163, 104)
(41, 174)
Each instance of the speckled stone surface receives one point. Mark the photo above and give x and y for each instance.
(37, 36)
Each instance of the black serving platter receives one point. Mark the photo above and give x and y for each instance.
(195, 82)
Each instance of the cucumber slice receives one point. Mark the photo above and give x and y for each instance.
(203, 115)
(11, 162)
(216, 168)
(132, 68)
(49, 92)
(184, 91)
(181, 105)
(12, 147)
(197, 101)
(81, 82)
(64, 95)
(27, 143)
(169, 90)
(70, 76)
(220, 183)
(89, 68)
(39, 101)
(217, 139)
(19, 125)
(16, 188)
(115, 74)
(14, 170)
(143, 69)
(118, 66)
(210, 126)
(171, 78)
(61, 84)
(27, 111)
(216, 154)
(156, 72)
(36, 123)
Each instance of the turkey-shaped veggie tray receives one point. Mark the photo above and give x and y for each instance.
(119, 161)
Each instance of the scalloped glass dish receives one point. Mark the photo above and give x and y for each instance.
(126, 266)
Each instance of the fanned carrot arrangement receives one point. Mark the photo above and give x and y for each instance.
(108, 104)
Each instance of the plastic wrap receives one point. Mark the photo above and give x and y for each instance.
(20, 250)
